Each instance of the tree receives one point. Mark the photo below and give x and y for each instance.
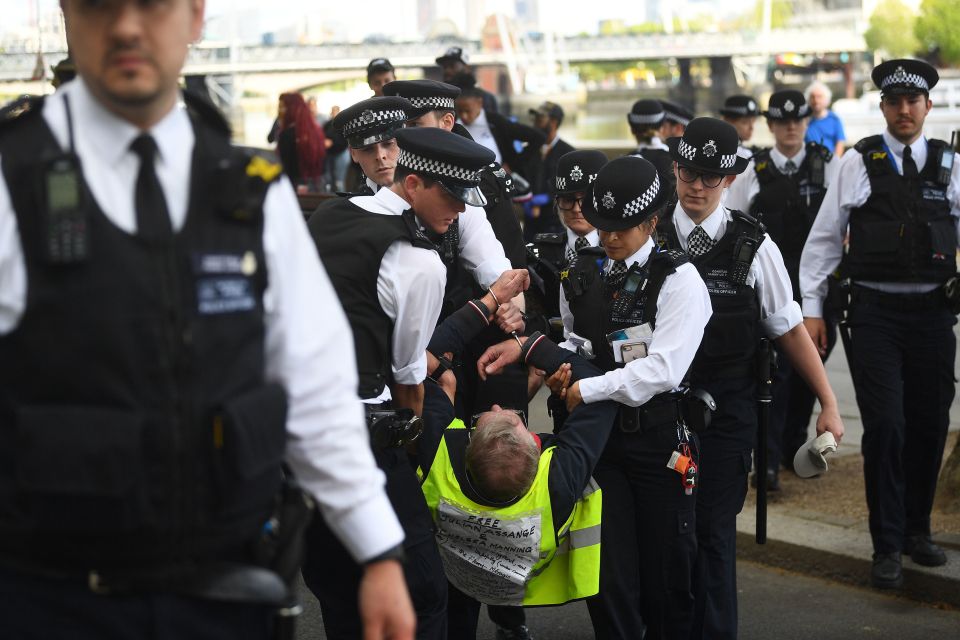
(938, 28)
(892, 29)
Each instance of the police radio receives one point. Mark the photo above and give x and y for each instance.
(65, 221)
(627, 296)
(817, 170)
(744, 251)
(945, 160)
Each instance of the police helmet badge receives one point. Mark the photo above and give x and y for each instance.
(367, 117)
(608, 200)
(751, 106)
(710, 148)
(788, 106)
(900, 76)
(576, 174)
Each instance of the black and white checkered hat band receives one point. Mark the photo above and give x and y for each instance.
(438, 168)
(561, 183)
(900, 77)
(434, 102)
(645, 118)
(727, 161)
(686, 150)
(741, 110)
(370, 119)
(777, 112)
(676, 118)
(638, 205)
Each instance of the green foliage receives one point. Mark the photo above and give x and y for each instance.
(891, 29)
(938, 27)
(780, 13)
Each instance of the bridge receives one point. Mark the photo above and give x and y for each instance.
(218, 59)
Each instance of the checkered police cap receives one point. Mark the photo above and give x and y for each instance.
(709, 145)
(424, 95)
(739, 106)
(372, 120)
(577, 170)
(626, 193)
(787, 105)
(440, 154)
(676, 113)
(905, 76)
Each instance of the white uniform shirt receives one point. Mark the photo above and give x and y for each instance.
(745, 188)
(683, 309)
(410, 288)
(309, 348)
(655, 143)
(768, 275)
(480, 251)
(481, 134)
(824, 248)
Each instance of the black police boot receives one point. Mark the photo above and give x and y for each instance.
(923, 551)
(516, 633)
(773, 480)
(887, 571)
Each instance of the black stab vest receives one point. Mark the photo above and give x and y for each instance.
(789, 204)
(137, 431)
(547, 258)
(352, 242)
(592, 300)
(904, 231)
(731, 336)
(663, 161)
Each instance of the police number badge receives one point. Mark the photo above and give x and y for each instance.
(576, 174)
(608, 200)
(710, 149)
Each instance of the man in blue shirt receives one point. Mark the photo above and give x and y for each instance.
(825, 127)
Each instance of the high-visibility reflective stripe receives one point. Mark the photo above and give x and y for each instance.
(591, 488)
(580, 538)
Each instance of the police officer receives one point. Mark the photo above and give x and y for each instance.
(676, 117)
(901, 201)
(157, 367)
(646, 119)
(552, 253)
(784, 187)
(391, 282)
(639, 313)
(369, 127)
(751, 296)
(741, 111)
(497, 469)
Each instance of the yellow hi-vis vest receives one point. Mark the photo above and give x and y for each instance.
(511, 555)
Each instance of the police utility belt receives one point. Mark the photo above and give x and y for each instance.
(392, 428)
(690, 407)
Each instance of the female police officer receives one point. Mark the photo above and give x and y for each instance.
(629, 287)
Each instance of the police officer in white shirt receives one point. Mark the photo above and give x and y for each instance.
(169, 338)
(900, 200)
(751, 296)
(390, 281)
(639, 313)
(783, 187)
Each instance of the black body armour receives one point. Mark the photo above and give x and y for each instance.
(137, 431)
(599, 309)
(789, 204)
(904, 231)
(546, 260)
(352, 242)
(731, 336)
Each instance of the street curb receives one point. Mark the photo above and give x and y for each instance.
(842, 554)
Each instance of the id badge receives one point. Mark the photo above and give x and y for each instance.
(631, 351)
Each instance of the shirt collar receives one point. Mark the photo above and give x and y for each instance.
(779, 159)
(713, 224)
(373, 185)
(918, 149)
(390, 201)
(110, 136)
(655, 143)
(639, 258)
(593, 238)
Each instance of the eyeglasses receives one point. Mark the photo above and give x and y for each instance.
(519, 412)
(566, 203)
(709, 180)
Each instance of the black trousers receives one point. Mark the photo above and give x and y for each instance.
(902, 366)
(33, 608)
(792, 407)
(725, 463)
(463, 615)
(648, 543)
(334, 578)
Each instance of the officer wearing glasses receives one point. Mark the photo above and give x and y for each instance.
(752, 297)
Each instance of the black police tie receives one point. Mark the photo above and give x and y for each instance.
(153, 218)
(580, 243)
(909, 166)
(699, 242)
(790, 167)
(617, 271)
